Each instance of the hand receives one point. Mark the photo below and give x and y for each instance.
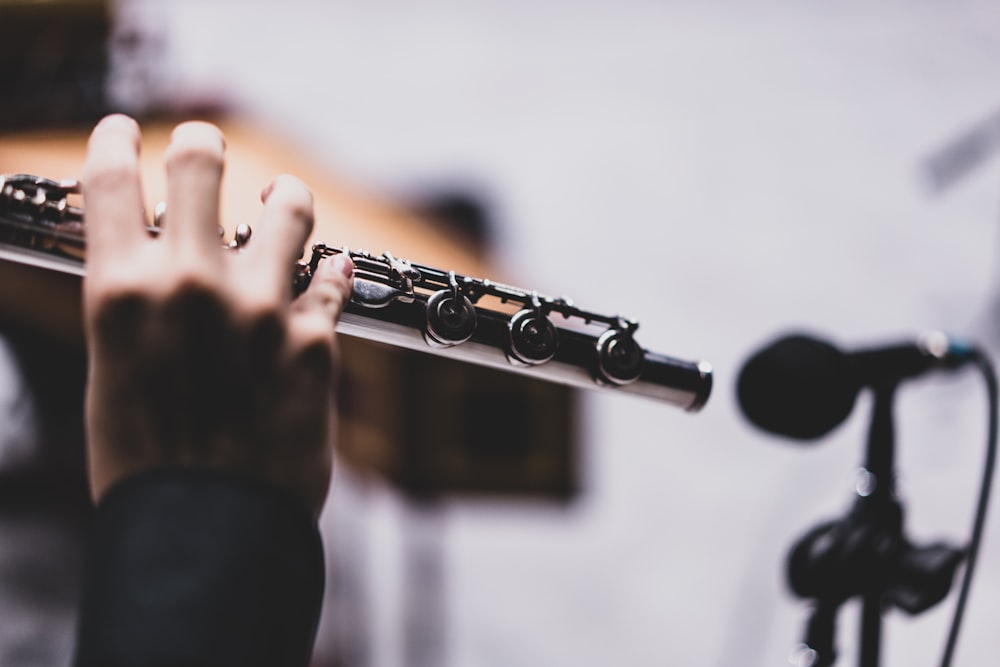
(199, 355)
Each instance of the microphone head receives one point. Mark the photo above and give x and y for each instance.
(798, 387)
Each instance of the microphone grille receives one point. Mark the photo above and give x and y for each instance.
(798, 387)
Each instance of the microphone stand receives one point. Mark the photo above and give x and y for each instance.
(885, 516)
(866, 554)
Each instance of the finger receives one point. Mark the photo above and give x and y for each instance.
(284, 228)
(112, 190)
(319, 307)
(194, 162)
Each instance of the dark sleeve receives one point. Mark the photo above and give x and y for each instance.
(200, 568)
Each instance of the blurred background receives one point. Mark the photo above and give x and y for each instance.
(723, 172)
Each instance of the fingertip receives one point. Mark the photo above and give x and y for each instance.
(198, 131)
(332, 284)
(339, 272)
(113, 145)
(110, 180)
(117, 123)
(283, 181)
(197, 126)
(340, 263)
(289, 214)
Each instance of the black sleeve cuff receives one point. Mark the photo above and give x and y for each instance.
(197, 567)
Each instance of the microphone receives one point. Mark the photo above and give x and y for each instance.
(803, 387)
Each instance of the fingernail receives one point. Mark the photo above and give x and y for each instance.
(266, 192)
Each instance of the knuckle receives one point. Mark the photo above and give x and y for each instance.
(191, 295)
(109, 172)
(328, 294)
(188, 278)
(258, 292)
(260, 308)
(117, 308)
(265, 330)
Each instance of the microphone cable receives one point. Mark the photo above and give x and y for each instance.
(983, 363)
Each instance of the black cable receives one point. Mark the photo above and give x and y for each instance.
(982, 361)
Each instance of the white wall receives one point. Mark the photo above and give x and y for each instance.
(719, 171)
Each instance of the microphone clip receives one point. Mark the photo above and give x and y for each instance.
(866, 554)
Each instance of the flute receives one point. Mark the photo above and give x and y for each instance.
(408, 305)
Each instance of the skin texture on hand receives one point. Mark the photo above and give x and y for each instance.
(199, 355)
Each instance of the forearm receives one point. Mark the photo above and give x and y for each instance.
(195, 567)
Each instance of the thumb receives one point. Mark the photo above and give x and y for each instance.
(329, 290)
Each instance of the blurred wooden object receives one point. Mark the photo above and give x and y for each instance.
(430, 425)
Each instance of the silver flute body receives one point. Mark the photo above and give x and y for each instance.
(408, 305)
